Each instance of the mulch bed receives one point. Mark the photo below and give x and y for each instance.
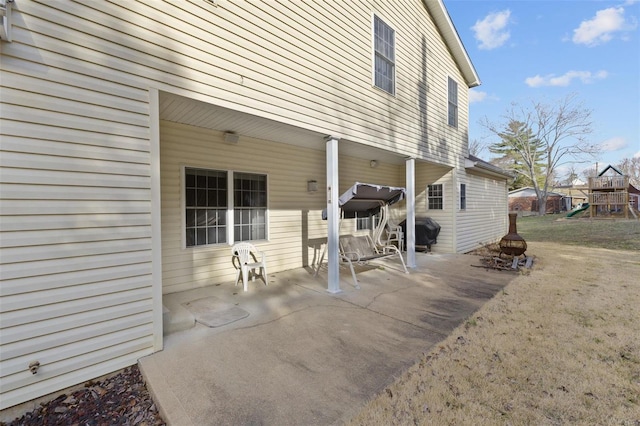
(122, 399)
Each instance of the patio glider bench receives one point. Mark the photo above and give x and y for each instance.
(361, 249)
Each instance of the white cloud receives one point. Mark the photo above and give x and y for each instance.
(601, 28)
(476, 96)
(636, 155)
(586, 77)
(491, 31)
(614, 144)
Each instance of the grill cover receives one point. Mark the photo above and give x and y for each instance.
(427, 231)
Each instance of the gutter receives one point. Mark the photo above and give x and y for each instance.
(476, 164)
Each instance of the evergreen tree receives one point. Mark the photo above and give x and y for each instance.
(520, 153)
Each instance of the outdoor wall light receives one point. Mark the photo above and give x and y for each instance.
(231, 137)
(373, 164)
(312, 185)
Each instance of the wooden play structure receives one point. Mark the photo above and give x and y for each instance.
(609, 193)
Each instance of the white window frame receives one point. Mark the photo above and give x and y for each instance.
(252, 208)
(452, 102)
(375, 53)
(230, 209)
(441, 197)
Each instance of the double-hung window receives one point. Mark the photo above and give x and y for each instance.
(453, 103)
(384, 71)
(435, 197)
(250, 206)
(207, 206)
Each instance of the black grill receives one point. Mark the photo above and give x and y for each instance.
(427, 231)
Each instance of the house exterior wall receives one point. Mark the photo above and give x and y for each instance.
(578, 194)
(77, 157)
(428, 174)
(296, 229)
(485, 219)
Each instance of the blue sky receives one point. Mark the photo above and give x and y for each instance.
(544, 50)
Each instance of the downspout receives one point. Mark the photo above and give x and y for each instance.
(410, 177)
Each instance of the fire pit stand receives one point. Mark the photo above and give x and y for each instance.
(513, 244)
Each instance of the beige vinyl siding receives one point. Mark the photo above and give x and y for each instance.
(76, 211)
(485, 219)
(74, 221)
(295, 226)
(287, 168)
(428, 174)
(300, 72)
(76, 274)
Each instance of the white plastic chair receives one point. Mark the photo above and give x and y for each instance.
(250, 259)
(395, 234)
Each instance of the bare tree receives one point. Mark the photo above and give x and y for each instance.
(631, 168)
(590, 172)
(549, 135)
(571, 175)
(475, 147)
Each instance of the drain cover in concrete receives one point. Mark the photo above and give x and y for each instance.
(212, 312)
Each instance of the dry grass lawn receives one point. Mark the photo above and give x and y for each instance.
(560, 345)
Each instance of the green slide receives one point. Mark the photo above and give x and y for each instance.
(578, 210)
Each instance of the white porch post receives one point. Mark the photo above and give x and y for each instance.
(156, 224)
(333, 216)
(410, 170)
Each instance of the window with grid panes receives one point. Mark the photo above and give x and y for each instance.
(250, 206)
(463, 196)
(205, 207)
(385, 55)
(435, 197)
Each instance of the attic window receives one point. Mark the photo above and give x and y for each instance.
(384, 71)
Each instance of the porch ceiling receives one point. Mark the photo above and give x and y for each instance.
(197, 113)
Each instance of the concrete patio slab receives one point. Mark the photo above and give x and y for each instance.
(305, 356)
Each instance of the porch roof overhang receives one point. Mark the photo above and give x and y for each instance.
(199, 113)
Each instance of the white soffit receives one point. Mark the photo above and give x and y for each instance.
(197, 113)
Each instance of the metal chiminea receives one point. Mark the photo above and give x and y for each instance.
(513, 244)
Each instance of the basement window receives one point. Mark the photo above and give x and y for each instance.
(435, 197)
(207, 201)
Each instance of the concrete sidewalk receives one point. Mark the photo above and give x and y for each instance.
(307, 357)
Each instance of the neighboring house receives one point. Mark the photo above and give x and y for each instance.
(140, 138)
(525, 200)
(578, 191)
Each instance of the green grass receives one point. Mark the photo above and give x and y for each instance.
(603, 233)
